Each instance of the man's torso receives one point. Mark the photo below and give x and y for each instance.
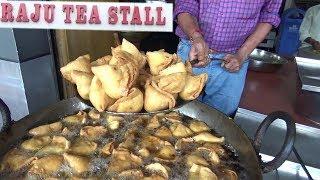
(227, 23)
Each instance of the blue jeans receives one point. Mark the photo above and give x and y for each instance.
(223, 89)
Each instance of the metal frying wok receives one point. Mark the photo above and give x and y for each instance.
(248, 153)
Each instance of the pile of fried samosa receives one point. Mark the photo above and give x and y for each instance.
(129, 80)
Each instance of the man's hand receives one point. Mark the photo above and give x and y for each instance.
(316, 45)
(199, 50)
(232, 62)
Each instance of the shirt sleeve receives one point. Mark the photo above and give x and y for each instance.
(305, 25)
(186, 6)
(270, 12)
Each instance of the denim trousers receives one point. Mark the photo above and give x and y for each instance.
(223, 89)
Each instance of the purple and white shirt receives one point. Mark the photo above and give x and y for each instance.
(226, 24)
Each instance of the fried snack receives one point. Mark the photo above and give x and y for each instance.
(164, 133)
(36, 143)
(15, 160)
(107, 149)
(113, 122)
(193, 86)
(174, 68)
(196, 159)
(116, 81)
(123, 160)
(76, 119)
(200, 172)
(82, 64)
(159, 169)
(58, 145)
(167, 152)
(46, 129)
(152, 143)
(131, 103)
(121, 57)
(180, 131)
(131, 174)
(158, 60)
(153, 123)
(157, 99)
(82, 146)
(83, 82)
(93, 132)
(46, 166)
(79, 164)
(99, 99)
(211, 154)
(198, 126)
(132, 49)
(172, 83)
(101, 61)
(207, 137)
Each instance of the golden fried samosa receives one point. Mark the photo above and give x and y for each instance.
(113, 122)
(116, 81)
(58, 145)
(152, 143)
(82, 146)
(120, 58)
(46, 129)
(179, 130)
(131, 174)
(159, 169)
(174, 68)
(46, 166)
(131, 103)
(153, 123)
(164, 133)
(198, 126)
(172, 83)
(122, 160)
(167, 152)
(101, 61)
(107, 149)
(35, 143)
(93, 132)
(83, 82)
(132, 49)
(158, 60)
(15, 159)
(208, 137)
(82, 64)
(77, 119)
(99, 99)
(200, 172)
(157, 99)
(193, 86)
(78, 164)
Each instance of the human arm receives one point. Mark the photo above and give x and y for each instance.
(268, 17)
(186, 13)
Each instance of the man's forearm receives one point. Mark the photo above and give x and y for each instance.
(189, 24)
(254, 39)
